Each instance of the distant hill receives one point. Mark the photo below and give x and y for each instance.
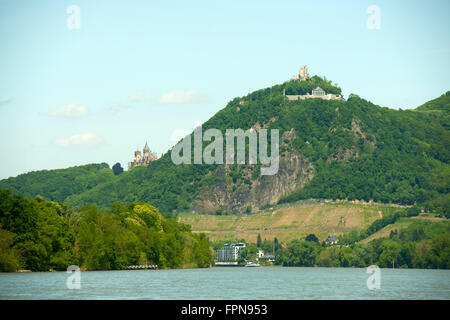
(442, 103)
(329, 149)
(57, 185)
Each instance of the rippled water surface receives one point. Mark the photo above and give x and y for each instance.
(230, 283)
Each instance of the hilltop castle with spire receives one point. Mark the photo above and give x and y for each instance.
(142, 159)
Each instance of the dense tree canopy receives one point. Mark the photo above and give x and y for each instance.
(42, 235)
(423, 244)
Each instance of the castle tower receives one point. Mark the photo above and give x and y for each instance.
(146, 149)
(303, 74)
(137, 157)
(146, 152)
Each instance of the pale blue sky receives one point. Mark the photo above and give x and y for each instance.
(119, 77)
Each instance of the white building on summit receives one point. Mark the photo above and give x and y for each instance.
(316, 93)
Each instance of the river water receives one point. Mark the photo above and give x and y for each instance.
(230, 283)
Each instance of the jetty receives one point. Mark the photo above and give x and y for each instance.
(142, 267)
(227, 264)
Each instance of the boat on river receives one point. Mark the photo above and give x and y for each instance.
(252, 264)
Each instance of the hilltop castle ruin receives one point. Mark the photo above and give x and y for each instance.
(302, 74)
(318, 92)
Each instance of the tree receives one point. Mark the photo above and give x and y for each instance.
(298, 253)
(312, 237)
(8, 259)
(117, 169)
(276, 244)
(258, 241)
(439, 255)
(390, 253)
(328, 257)
(249, 253)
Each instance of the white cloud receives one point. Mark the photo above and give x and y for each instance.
(70, 110)
(140, 96)
(80, 140)
(181, 96)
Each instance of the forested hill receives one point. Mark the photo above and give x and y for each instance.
(329, 149)
(442, 103)
(57, 185)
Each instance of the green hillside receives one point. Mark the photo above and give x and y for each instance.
(355, 150)
(57, 185)
(329, 149)
(442, 104)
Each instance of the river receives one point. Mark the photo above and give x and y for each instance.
(230, 283)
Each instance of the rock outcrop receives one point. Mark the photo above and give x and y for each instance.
(245, 194)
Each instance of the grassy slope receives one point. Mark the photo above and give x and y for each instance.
(288, 222)
(402, 223)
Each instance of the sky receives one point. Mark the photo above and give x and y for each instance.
(90, 81)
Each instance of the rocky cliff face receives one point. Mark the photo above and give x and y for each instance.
(245, 193)
(251, 192)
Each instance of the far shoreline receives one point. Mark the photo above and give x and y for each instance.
(219, 267)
